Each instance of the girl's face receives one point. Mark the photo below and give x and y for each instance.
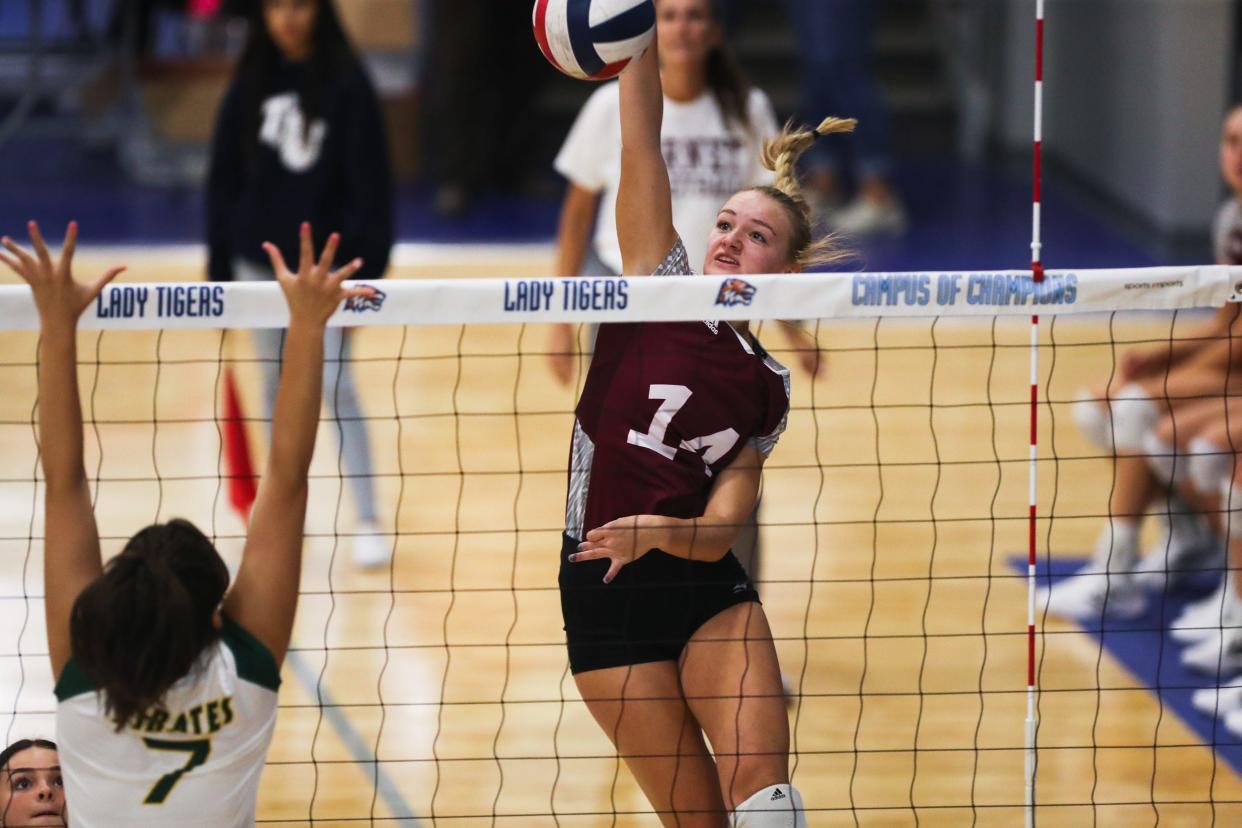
(687, 30)
(751, 236)
(291, 23)
(1231, 150)
(31, 790)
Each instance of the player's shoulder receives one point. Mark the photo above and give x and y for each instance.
(1229, 211)
(770, 363)
(759, 106)
(758, 99)
(676, 262)
(253, 661)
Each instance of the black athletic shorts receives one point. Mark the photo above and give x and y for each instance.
(649, 611)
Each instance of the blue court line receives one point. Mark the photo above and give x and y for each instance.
(308, 677)
(1144, 647)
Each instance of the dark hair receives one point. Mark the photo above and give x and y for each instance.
(142, 625)
(725, 78)
(261, 59)
(17, 747)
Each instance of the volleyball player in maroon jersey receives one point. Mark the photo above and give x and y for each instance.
(668, 643)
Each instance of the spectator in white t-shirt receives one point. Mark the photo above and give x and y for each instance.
(714, 127)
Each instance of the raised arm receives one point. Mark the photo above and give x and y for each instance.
(71, 557)
(264, 596)
(644, 200)
(705, 538)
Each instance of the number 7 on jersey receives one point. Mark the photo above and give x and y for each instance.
(199, 750)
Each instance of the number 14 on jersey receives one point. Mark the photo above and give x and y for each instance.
(710, 447)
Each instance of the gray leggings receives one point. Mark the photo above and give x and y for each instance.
(339, 396)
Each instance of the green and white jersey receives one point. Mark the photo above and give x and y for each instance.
(195, 761)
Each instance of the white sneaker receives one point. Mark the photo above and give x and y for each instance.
(372, 548)
(866, 216)
(1205, 616)
(1217, 701)
(1219, 654)
(1094, 595)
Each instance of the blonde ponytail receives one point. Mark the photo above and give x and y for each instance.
(780, 156)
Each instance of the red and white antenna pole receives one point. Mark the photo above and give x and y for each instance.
(1037, 273)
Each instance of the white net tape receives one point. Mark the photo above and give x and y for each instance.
(535, 300)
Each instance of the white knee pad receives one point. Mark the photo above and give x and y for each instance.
(1134, 416)
(1120, 423)
(1209, 466)
(776, 806)
(1093, 421)
(1169, 469)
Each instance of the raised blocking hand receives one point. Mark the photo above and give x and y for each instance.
(59, 299)
(314, 291)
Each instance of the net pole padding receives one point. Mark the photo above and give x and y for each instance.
(983, 294)
(1031, 727)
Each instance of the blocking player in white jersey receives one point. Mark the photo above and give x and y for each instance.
(166, 676)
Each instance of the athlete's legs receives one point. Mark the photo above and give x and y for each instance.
(1183, 398)
(1190, 418)
(1212, 446)
(341, 400)
(642, 710)
(732, 682)
(1193, 421)
(268, 344)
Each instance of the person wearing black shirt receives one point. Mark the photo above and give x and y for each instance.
(300, 138)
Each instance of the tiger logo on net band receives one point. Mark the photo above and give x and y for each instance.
(362, 304)
(735, 292)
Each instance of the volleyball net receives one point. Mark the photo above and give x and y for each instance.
(895, 530)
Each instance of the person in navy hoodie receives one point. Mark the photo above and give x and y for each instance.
(300, 138)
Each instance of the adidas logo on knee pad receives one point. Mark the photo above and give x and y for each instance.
(776, 806)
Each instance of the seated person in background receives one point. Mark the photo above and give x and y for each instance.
(1166, 382)
(1184, 384)
(1201, 466)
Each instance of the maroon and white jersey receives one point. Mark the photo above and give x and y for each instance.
(667, 406)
